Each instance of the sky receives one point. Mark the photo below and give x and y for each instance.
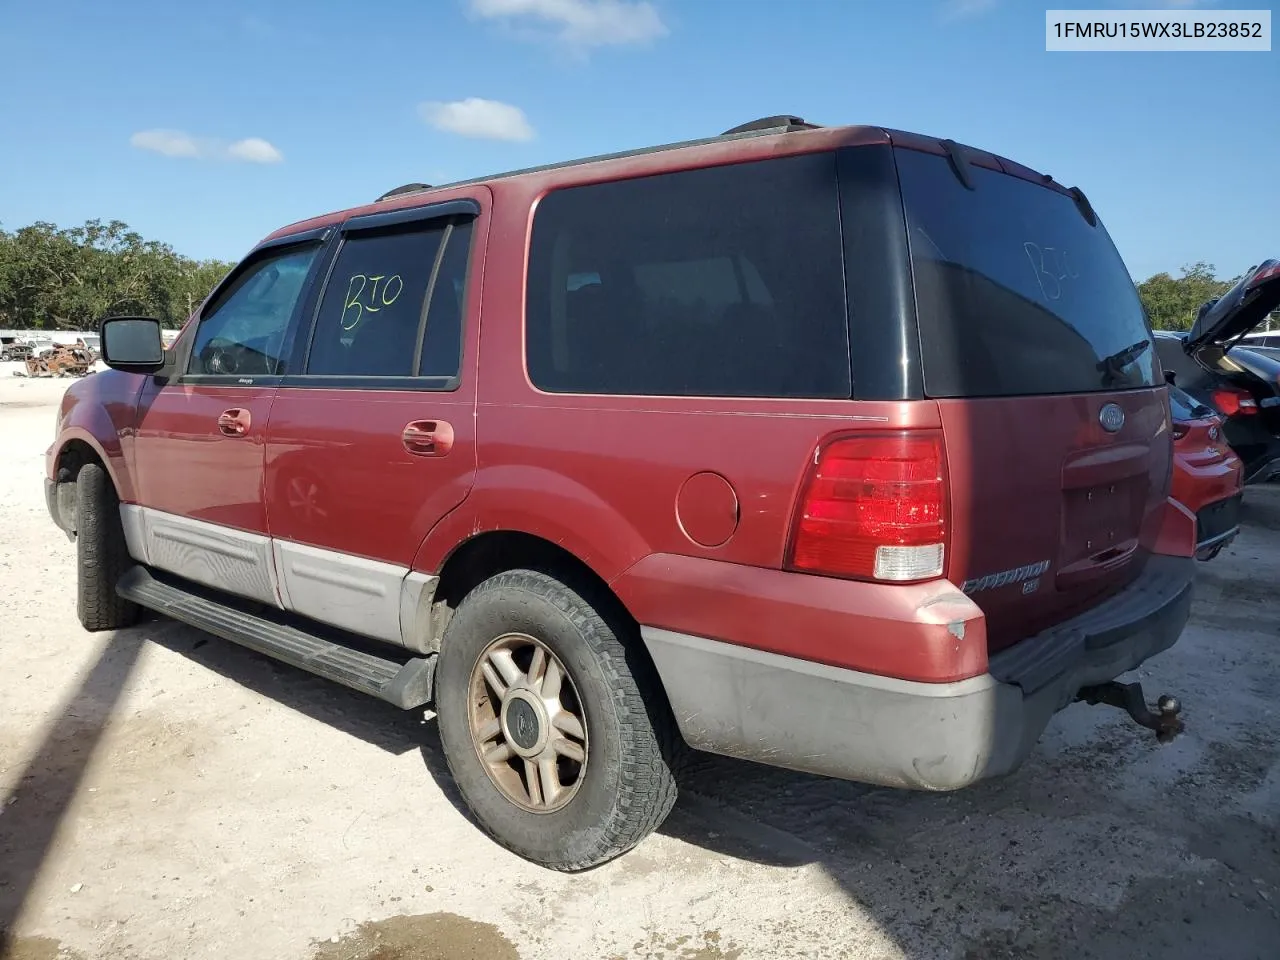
(208, 125)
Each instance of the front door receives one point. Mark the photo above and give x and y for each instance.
(373, 442)
(198, 451)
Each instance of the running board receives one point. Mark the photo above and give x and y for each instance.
(405, 685)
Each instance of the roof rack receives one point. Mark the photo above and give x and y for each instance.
(784, 122)
(401, 190)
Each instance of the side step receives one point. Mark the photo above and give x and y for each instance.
(406, 685)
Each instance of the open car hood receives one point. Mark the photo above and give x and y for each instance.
(1238, 310)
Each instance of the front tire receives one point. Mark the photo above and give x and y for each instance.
(556, 732)
(101, 554)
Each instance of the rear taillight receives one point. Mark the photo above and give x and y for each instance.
(1232, 400)
(1179, 430)
(873, 507)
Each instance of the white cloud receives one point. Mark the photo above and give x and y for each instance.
(477, 118)
(169, 143)
(175, 143)
(581, 23)
(966, 9)
(254, 150)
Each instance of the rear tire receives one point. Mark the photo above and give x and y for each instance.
(101, 554)
(618, 784)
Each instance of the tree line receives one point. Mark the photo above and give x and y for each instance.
(55, 278)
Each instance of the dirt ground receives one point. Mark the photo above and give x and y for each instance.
(164, 794)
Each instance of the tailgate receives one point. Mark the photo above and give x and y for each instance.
(1055, 414)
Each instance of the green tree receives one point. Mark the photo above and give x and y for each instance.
(1172, 302)
(52, 278)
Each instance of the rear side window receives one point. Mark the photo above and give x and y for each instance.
(392, 306)
(1016, 293)
(725, 281)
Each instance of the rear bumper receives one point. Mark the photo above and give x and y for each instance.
(1217, 524)
(851, 725)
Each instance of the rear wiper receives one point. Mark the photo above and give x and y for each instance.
(1111, 367)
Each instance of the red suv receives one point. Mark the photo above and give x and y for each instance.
(839, 449)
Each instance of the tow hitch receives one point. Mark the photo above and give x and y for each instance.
(1162, 718)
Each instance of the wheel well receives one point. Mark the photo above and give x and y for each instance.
(489, 554)
(72, 457)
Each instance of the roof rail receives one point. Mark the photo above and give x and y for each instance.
(406, 188)
(784, 122)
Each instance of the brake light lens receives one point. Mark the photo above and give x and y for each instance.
(874, 507)
(1232, 401)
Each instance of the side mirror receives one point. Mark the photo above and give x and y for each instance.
(132, 344)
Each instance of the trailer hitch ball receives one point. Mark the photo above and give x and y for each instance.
(1164, 718)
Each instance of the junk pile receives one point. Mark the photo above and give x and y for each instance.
(60, 362)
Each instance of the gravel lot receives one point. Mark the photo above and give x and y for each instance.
(164, 794)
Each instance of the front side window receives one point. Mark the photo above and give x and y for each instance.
(726, 281)
(244, 334)
(392, 306)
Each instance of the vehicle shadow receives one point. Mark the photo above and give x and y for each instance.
(44, 792)
(377, 723)
(1023, 866)
(1053, 862)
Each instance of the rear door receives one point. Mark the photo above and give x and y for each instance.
(1055, 416)
(373, 441)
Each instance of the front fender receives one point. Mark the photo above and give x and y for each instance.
(542, 503)
(100, 412)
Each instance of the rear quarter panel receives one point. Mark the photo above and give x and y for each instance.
(1204, 471)
(601, 475)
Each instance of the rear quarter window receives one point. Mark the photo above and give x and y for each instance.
(1015, 292)
(725, 281)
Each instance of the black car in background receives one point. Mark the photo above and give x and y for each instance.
(1242, 385)
(1272, 353)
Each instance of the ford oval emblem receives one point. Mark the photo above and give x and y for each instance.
(1111, 417)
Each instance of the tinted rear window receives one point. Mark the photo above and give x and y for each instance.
(1016, 293)
(718, 282)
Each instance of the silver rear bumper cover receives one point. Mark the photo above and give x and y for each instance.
(841, 723)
